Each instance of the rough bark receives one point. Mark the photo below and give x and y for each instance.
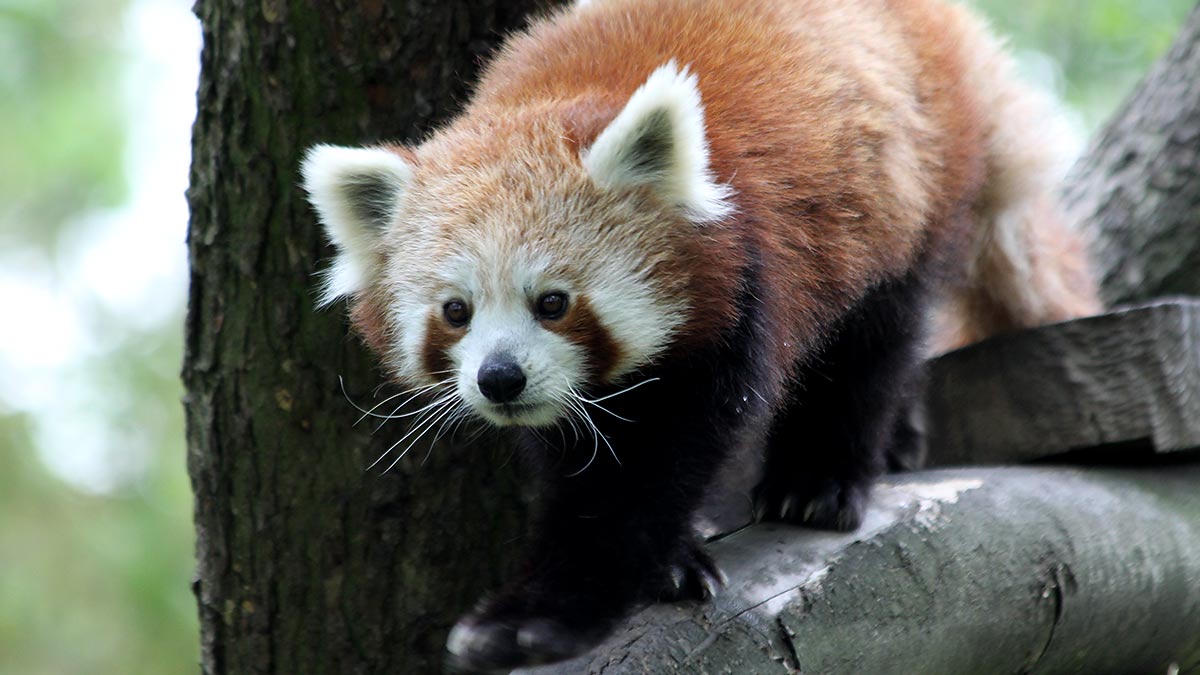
(1138, 184)
(307, 562)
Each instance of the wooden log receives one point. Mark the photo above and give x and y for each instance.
(1127, 382)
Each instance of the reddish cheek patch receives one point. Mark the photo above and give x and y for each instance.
(583, 328)
(439, 338)
(368, 322)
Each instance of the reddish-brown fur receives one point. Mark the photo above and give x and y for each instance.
(439, 338)
(581, 326)
(805, 154)
(869, 154)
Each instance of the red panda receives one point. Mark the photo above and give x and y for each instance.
(677, 228)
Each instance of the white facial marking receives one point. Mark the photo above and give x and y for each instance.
(502, 287)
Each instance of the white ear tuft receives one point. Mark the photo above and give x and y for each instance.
(358, 193)
(658, 140)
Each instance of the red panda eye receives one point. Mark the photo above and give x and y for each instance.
(552, 305)
(456, 313)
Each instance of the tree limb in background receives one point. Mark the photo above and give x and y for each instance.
(1138, 184)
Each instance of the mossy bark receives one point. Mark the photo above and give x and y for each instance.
(308, 562)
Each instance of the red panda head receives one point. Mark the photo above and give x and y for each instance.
(513, 261)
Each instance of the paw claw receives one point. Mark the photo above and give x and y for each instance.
(828, 504)
(809, 511)
(722, 577)
(694, 576)
(785, 509)
(678, 577)
(479, 643)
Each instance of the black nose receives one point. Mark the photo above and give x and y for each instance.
(500, 379)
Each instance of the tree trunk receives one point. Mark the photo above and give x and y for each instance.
(307, 562)
(1138, 185)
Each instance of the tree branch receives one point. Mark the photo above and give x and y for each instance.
(1138, 184)
(1002, 570)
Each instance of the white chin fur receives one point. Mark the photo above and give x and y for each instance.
(519, 415)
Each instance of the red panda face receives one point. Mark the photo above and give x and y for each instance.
(502, 263)
(524, 304)
(516, 333)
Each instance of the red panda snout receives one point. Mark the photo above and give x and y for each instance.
(514, 369)
(500, 379)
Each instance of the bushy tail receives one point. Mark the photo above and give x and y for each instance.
(1027, 266)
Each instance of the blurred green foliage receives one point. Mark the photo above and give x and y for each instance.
(98, 583)
(89, 582)
(1103, 47)
(63, 132)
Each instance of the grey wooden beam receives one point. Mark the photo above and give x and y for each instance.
(1002, 570)
(1129, 380)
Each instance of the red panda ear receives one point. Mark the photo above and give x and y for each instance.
(358, 193)
(658, 141)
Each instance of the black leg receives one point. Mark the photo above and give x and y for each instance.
(619, 533)
(836, 433)
(610, 539)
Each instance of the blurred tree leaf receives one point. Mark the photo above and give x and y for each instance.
(1102, 46)
(62, 111)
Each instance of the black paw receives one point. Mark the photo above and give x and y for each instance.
(692, 575)
(497, 642)
(826, 504)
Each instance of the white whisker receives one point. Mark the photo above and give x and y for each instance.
(427, 424)
(597, 405)
(400, 406)
(393, 416)
(562, 435)
(455, 415)
(565, 402)
(618, 393)
(461, 416)
(595, 451)
(371, 412)
(597, 435)
(595, 427)
(417, 425)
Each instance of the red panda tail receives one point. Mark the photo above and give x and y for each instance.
(1027, 265)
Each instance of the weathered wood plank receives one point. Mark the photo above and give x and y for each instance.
(1130, 378)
